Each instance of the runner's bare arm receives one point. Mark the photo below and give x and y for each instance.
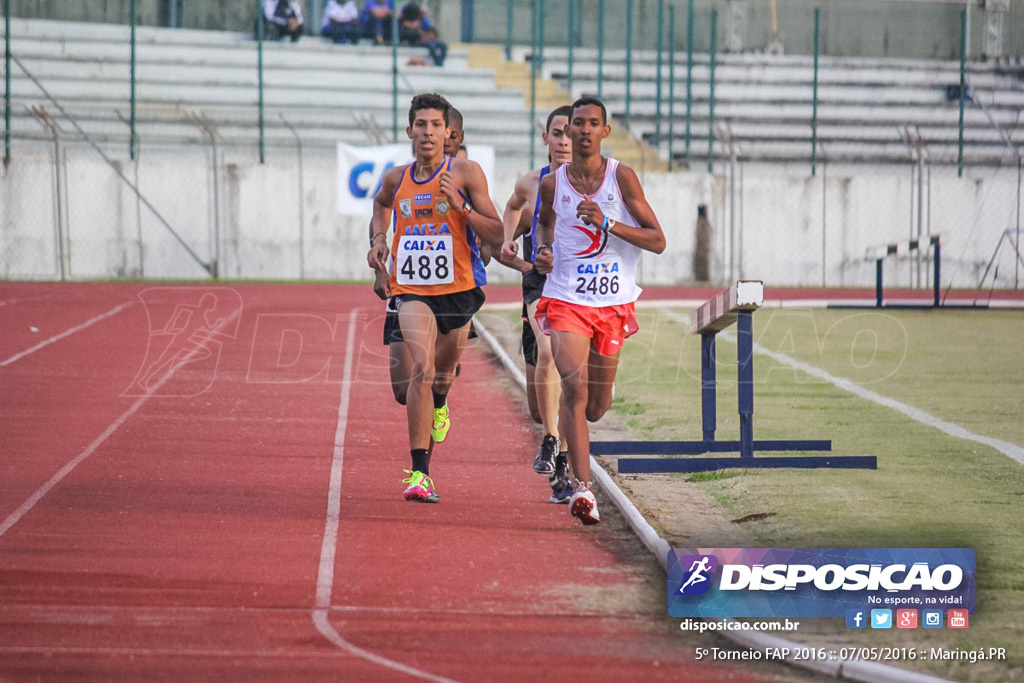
(513, 221)
(382, 281)
(648, 234)
(512, 218)
(383, 203)
(545, 226)
(467, 183)
(382, 284)
(514, 262)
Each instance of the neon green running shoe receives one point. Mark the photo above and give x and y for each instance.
(439, 430)
(421, 488)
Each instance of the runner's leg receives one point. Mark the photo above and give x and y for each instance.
(601, 376)
(400, 362)
(571, 352)
(420, 331)
(546, 379)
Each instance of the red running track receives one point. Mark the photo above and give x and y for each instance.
(208, 489)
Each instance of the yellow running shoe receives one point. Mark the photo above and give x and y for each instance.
(421, 488)
(439, 430)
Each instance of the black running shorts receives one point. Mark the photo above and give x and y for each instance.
(529, 340)
(393, 331)
(451, 311)
(533, 285)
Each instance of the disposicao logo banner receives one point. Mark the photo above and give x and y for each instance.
(816, 582)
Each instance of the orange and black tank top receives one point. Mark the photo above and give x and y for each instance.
(433, 251)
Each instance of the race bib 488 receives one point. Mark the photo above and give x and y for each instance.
(424, 260)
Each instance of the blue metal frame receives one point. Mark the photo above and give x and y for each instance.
(745, 446)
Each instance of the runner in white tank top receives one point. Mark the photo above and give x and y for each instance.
(592, 267)
(594, 220)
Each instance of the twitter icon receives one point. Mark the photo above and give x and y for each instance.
(881, 618)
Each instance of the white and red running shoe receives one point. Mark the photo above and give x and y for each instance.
(583, 506)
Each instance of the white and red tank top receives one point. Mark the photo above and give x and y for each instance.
(591, 267)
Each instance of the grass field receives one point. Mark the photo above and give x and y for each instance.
(930, 490)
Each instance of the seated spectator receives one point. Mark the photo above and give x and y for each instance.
(376, 20)
(341, 21)
(414, 28)
(282, 18)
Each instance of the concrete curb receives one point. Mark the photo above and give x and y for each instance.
(854, 670)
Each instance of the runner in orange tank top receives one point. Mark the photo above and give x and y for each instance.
(438, 206)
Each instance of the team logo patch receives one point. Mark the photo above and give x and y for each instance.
(405, 207)
(442, 207)
(423, 199)
(598, 241)
(565, 200)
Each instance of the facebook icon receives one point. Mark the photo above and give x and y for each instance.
(856, 618)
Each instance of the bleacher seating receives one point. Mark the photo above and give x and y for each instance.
(322, 92)
(868, 109)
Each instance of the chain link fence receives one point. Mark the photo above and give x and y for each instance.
(802, 164)
(175, 211)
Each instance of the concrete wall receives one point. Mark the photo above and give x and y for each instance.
(278, 220)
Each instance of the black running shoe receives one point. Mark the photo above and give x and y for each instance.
(561, 489)
(544, 463)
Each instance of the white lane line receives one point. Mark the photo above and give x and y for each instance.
(1011, 450)
(871, 672)
(1005, 447)
(23, 509)
(329, 547)
(66, 333)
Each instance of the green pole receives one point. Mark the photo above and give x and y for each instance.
(689, 77)
(671, 81)
(570, 25)
(132, 138)
(535, 18)
(260, 33)
(711, 94)
(600, 46)
(541, 10)
(7, 82)
(510, 16)
(657, 80)
(963, 92)
(394, 77)
(814, 98)
(629, 53)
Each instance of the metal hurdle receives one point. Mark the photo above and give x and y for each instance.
(879, 254)
(733, 304)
